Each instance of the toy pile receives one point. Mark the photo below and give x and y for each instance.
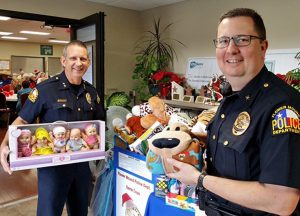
(159, 131)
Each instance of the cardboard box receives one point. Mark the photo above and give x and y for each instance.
(154, 129)
(34, 156)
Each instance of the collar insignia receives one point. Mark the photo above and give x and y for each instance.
(241, 123)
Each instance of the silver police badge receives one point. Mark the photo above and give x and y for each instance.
(241, 123)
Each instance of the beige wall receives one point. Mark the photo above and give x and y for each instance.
(25, 49)
(195, 23)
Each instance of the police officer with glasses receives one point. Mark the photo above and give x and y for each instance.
(253, 153)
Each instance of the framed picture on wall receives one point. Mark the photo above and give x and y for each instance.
(46, 50)
(4, 64)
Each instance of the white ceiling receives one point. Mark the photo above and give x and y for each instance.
(138, 5)
(16, 25)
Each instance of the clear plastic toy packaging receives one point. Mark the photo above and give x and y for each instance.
(58, 143)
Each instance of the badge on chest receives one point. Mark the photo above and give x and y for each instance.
(241, 123)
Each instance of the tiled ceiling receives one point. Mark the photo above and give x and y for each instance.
(17, 25)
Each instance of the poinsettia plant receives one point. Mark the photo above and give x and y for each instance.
(165, 78)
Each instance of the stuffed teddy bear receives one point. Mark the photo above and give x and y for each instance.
(133, 126)
(159, 113)
(175, 141)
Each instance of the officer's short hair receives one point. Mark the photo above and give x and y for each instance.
(77, 43)
(247, 12)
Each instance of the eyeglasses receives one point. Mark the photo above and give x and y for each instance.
(239, 40)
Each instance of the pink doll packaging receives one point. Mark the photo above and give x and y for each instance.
(58, 143)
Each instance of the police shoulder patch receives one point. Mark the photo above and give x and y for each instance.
(33, 95)
(285, 119)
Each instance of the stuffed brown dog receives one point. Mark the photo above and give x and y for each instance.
(175, 141)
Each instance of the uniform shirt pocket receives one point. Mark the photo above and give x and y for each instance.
(236, 143)
(237, 156)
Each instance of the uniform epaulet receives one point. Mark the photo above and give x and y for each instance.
(50, 80)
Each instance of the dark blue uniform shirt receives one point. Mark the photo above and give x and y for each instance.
(255, 135)
(55, 100)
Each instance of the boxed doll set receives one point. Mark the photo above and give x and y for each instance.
(58, 143)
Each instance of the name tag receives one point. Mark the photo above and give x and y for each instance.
(61, 100)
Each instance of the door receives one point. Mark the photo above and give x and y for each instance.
(90, 30)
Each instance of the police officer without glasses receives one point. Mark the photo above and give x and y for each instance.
(253, 155)
(65, 97)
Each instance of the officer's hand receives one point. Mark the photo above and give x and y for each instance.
(4, 152)
(187, 173)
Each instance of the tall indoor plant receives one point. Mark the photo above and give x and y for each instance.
(154, 53)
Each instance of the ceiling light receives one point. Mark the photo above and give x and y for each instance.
(4, 18)
(58, 41)
(14, 38)
(5, 33)
(35, 32)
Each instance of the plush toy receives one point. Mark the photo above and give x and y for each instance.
(200, 122)
(159, 113)
(122, 132)
(133, 126)
(175, 141)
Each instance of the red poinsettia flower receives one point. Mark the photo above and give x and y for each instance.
(164, 77)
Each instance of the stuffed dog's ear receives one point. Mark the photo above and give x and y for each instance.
(199, 136)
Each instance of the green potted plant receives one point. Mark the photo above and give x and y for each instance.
(154, 53)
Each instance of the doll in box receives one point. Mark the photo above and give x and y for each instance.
(25, 143)
(76, 143)
(59, 137)
(91, 137)
(42, 142)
